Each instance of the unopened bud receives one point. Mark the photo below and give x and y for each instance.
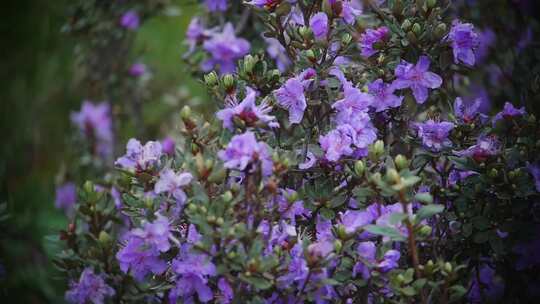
(338, 245)
(448, 267)
(493, 173)
(275, 74)
(400, 278)
(401, 162)
(305, 32)
(185, 113)
(249, 63)
(425, 231)
(293, 197)
(406, 25)
(88, 186)
(440, 30)
(346, 39)
(211, 79)
(417, 29)
(220, 221)
(376, 150)
(310, 54)
(104, 238)
(431, 3)
(359, 167)
(227, 196)
(228, 82)
(393, 176)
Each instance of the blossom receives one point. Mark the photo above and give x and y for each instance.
(534, 170)
(289, 210)
(467, 113)
(464, 42)
(383, 95)
(364, 132)
(337, 142)
(91, 288)
(297, 269)
(434, 135)
(248, 112)
(291, 95)
(486, 286)
(139, 157)
(171, 182)
(352, 220)
(196, 33)
(369, 38)
(269, 4)
(367, 253)
(137, 69)
(244, 150)
(168, 146)
(389, 261)
(350, 9)
(354, 101)
(130, 20)
(277, 52)
(216, 5)
(193, 270)
(319, 25)
(140, 258)
(417, 78)
(227, 293)
(66, 196)
(509, 112)
(486, 40)
(156, 233)
(225, 48)
(309, 162)
(485, 147)
(94, 121)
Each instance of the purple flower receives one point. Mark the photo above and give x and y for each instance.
(486, 40)
(364, 132)
(337, 142)
(243, 151)
(66, 196)
(417, 78)
(289, 210)
(350, 9)
(485, 286)
(309, 162)
(464, 42)
(196, 33)
(366, 251)
(172, 183)
(291, 95)
(352, 220)
(383, 95)
(467, 113)
(140, 158)
(485, 147)
(297, 269)
(248, 112)
(227, 293)
(225, 48)
(390, 260)
(137, 69)
(193, 270)
(216, 5)
(268, 4)
(130, 20)
(369, 38)
(140, 258)
(156, 233)
(94, 121)
(354, 101)
(168, 146)
(319, 25)
(534, 169)
(277, 52)
(90, 288)
(434, 135)
(509, 112)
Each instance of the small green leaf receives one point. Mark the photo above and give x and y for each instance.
(424, 197)
(408, 291)
(397, 217)
(428, 211)
(419, 284)
(259, 283)
(387, 231)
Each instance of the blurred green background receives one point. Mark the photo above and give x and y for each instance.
(37, 95)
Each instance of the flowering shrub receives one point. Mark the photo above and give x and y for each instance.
(343, 167)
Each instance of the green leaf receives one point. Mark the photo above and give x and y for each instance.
(424, 197)
(387, 231)
(419, 284)
(408, 291)
(259, 283)
(428, 211)
(397, 217)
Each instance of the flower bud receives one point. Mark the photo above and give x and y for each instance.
(425, 231)
(431, 3)
(447, 267)
(338, 245)
(192, 208)
(393, 176)
(293, 197)
(249, 63)
(219, 221)
(88, 187)
(406, 25)
(227, 196)
(310, 54)
(493, 173)
(397, 7)
(346, 39)
(401, 162)
(228, 82)
(417, 29)
(400, 278)
(359, 167)
(104, 238)
(185, 113)
(275, 74)
(376, 150)
(211, 79)
(342, 232)
(411, 37)
(440, 30)
(305, 32)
